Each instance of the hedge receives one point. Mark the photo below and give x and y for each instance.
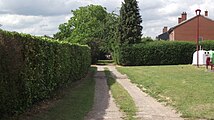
(159, 53)
(207, 45)
(33, 67)
(156, 53)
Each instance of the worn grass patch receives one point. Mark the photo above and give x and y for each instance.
(189, 89)
(74, 103)
(122, 97)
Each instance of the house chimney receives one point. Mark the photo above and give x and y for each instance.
(206, 13)
(179, 20)
(183, 16)
(165, 29)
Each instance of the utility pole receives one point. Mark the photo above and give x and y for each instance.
(198, 13)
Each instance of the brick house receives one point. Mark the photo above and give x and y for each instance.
(186, 30)
(164, 35)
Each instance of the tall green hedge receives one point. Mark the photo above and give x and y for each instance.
(33, 67)
(156, 53)
(159, 53)
(207, 45)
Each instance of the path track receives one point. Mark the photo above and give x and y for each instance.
(104, 107)
(148, 107)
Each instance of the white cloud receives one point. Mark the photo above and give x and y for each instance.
(39, 7)
(42, 17)
(35, 25)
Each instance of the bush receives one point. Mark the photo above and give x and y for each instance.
(156, 53)
(33, 67)
(207, 45)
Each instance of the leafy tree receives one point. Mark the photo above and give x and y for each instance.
(110, 35)
(90, 25)
(146, 40)
(110, 32)
(87, 22)
(65, 30)
(130, 20)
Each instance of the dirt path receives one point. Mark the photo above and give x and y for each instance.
(148, 107)
(104, 107)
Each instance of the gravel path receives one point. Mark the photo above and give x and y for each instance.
(104, 107)
(148, 107)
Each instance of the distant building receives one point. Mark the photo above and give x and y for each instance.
(164, 35)
(186, 30)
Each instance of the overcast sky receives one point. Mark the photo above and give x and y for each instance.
(42, 17)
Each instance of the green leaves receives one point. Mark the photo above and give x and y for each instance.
(156, 53)
(91, 25)
(129, 25)
(33, 67)
(87, 22)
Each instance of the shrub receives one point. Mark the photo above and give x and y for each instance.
(33, 67)
(207, 45)
(156, 53)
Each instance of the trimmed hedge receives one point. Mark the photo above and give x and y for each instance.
(33, 67)
(156, 53)
(207, 45)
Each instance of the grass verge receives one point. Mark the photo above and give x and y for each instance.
(76, 102)
(122, 97)
(105, 62)
(189, 89)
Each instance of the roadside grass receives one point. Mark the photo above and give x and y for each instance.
(188, 89)
(76, 102)
(122, 97)
(105, 62)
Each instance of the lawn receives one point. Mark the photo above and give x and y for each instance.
(122, 97)
(75, 102)
(105, 62)
(187, 88)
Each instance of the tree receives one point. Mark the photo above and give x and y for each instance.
(87, 22)
(64, 31)
(129, 25)
(91, 25)
(110, 32)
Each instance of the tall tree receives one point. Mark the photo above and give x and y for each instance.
(130, 23)
(110, 32)
(86, 23)
(91, 25)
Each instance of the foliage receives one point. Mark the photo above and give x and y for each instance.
(129, 25)
(146, 39)
(65, 31)
(76, 101)
(105, 62)
(187, 88)
(90, 25)
(111, 34)
(156, 53)
(122, 97)
(207, 45)
(87, 22)
(33, 67)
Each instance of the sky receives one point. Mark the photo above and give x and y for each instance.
(42, 17)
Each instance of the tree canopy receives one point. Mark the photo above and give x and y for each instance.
(130, 23)
(86, 22)
(91, 25)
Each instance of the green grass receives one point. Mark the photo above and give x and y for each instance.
(75, 103)
(105, 62)
(189, 89)
(122, 97)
